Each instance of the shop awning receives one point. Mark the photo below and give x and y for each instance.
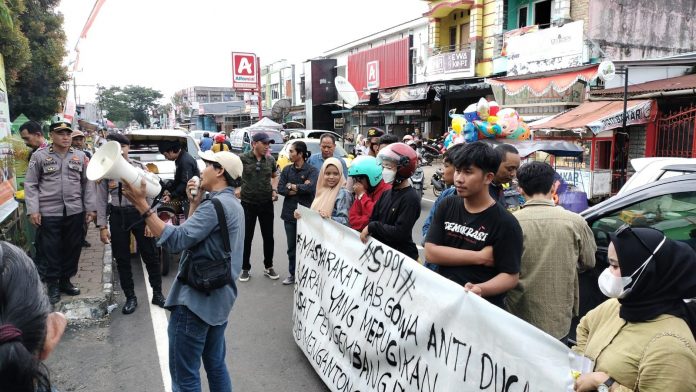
(601, 116)
(410, 93)
(541, 83)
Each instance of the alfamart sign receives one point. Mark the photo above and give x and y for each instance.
(368, 318)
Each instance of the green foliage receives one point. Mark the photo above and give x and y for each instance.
(128, 103)
(34, 49)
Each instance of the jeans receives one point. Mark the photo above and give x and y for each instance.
(291, 234)
(264, 212)
(191, 339)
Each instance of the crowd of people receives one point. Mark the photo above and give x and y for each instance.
(526, 261)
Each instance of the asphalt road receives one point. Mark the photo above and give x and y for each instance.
(121, 355)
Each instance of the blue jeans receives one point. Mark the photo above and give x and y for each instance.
(191, 339)
(291, 234)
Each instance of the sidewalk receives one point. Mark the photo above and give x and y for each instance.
(95, 280)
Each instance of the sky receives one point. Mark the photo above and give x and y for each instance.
(172, 44)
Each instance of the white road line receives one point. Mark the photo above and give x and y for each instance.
(159, 325)
(430, 200)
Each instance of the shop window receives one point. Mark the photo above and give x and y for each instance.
(603, 155)
(542, 14)
(275, 91)
(464, 36)
(522, 17)
(673, 214)
(453, 37)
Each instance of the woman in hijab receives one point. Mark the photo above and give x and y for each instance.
(642, 338)
(331, 199)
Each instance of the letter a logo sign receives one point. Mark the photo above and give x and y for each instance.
(244, 73)
(373, 74)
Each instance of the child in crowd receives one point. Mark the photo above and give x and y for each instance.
(332, 200)
(368, 187)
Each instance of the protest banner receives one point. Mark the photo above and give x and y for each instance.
(368, 318)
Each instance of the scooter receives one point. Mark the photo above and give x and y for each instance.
(417, 181)
(437, 182)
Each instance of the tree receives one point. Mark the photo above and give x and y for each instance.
(14, 45)
(39, 91)
(128, 103)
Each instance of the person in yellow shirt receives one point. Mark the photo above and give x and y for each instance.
(220, 143)
(642, 338)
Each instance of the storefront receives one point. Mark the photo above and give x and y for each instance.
(596, 126)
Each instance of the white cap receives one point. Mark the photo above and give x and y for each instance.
(229, 161)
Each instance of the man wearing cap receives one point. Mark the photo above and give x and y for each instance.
(198, 320)
(373, 135)
(58, 195)
(78, 142)
(124, 219)
(259, 191)
(186, 167)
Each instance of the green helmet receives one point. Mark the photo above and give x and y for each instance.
(366, 165)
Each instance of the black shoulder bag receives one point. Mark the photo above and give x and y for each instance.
(205, 274)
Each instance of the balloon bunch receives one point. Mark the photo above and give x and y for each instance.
(485, 120)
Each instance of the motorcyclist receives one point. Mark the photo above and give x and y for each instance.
(368, 187)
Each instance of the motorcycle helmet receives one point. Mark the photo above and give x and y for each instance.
(220, 138)
(368, 166)
(403, 156)
(407, 138)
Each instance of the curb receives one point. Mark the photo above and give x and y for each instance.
(95, 310)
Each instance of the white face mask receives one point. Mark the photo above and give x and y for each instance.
(613, 286)
(610, 285)
(388, 175)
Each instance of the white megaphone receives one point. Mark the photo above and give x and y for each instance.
(108, 162)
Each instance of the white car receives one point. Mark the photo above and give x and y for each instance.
(652, 169)
(144, 148)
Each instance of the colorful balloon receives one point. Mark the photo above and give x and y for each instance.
(521, 133)
(509, 121)
(493, 108)
(482, 109)
(470, 133)
(493, 119)
(458, 124)
(470, 113)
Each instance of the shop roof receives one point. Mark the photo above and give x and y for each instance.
(685, 82)
(600, 116)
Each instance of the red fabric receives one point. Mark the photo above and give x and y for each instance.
(361, 210)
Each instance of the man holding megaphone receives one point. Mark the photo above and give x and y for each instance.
(124, 219)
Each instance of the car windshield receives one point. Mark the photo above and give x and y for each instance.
(275, 135)
(147, 150)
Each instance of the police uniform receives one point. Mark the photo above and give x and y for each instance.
(57, 187)
(124, 219)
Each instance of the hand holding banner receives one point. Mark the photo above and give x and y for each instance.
(370, 319)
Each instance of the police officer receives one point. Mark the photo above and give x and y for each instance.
(124, 219)
(58, 195)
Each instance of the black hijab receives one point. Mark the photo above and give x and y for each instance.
(667, 280)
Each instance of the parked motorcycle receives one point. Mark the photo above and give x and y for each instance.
(437, 182)
(417, 181)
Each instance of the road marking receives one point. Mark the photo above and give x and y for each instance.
(159, 326)
(430, 200)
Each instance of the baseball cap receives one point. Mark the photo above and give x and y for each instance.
(229, 161)
(374, 132)
(261, 137)
(77, 133)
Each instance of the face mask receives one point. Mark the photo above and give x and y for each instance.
(613, 286)
(388, 175)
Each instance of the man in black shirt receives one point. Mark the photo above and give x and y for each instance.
(510, 161)
(186, 167)
(397, 211)
(473, 239)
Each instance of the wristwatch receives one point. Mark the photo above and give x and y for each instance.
(606, 385)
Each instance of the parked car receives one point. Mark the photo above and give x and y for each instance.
(144, 148)
(241, 139)
(652, 169)
(314, 148)
(668, 205)
(309, 134)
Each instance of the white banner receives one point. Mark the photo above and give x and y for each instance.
(545, 50)
(368, 318)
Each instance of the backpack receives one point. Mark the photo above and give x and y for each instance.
(206, 275)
